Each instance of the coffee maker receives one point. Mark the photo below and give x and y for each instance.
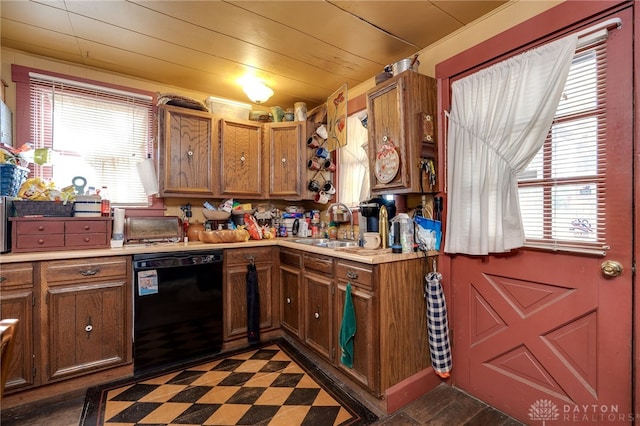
(371, 211)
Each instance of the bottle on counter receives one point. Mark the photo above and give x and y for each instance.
(105, 207)
(332, 231)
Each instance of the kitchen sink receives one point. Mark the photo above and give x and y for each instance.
(325, 242)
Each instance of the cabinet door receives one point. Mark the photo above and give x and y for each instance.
(290, 306)
(86, 327)
(364, 347)
(235, 290)
(241, 158)
(285, 159)
(86, 314)
(386, 128)
(396, 110)
(17, 301)
(235, 323)
(318, 325)
(186, 153)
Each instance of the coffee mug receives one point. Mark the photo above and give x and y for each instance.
(329, 188)
(313, 185)
(322, 131)
(315, 141)
(322, 197)
(371, 240)
(314, 164)
(329, 165)
(322, 153)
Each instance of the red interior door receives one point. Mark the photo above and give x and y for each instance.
(545, 336)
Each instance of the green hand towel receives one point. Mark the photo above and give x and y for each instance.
(347, 329)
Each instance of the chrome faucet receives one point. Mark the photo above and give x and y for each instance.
(351, 233)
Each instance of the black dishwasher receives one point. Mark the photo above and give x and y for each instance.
(177, 308)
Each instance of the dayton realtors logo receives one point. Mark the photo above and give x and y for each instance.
(544, 410)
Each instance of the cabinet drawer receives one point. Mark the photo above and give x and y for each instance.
(16, 275)
(85, 240)
(86, 226)
(41, 228)
(34, 242)
(90, 269)
(242, 256)
(290, 258)
(356, 273)
(318, 263)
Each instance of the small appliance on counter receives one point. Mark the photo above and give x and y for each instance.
(153, 229)
(371, 211)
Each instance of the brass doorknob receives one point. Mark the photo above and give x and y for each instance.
(611, 268)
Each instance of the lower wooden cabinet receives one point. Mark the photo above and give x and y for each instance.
(365, 357)
(17, 300)
(235, 290)
(318, 285)
(75, 319)
(291, 291)
(390, 343)
(85, 311)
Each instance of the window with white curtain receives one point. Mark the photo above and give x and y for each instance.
(95, 132)
(353, 172)
(562, 190)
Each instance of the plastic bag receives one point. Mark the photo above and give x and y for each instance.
(429, 233)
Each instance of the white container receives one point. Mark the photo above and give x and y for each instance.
(88, 206)
(228, 108)
(300, 109)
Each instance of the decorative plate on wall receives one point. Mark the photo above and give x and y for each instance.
(387, 161)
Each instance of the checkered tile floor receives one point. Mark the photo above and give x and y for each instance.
(262, 386)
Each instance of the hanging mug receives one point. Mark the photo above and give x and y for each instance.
(313, 185)
(329, 165)
(322, 131)
(314, 141)
(322, 197)
(314, 164)
(329, 188)
(322, 152)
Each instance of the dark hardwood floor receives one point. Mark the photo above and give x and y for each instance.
(445, 405)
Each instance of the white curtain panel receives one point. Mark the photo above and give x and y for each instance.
(499, 119)
(353, 164)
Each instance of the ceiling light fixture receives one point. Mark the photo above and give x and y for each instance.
(257, 91)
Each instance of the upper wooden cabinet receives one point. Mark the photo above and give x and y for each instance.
(186, 159)
(402, 129)
(241, 149)
(285, 158)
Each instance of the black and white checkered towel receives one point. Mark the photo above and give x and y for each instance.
(437, 325)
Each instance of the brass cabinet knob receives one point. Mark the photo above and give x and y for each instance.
(611, 268)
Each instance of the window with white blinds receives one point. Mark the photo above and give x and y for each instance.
(94, 132)
(562, 191)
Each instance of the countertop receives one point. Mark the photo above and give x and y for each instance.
(355, 254)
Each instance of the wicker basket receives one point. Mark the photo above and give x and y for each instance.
(42, 208)
(11, 178)
(216, 214)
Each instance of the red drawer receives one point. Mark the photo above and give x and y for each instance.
(88, 226)
(40, 227)
(39, 242)
(86, 240)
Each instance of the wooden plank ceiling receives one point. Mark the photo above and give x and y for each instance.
(304, 50)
